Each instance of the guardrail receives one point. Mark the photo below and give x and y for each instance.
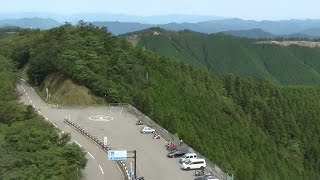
(106, 148)
(211, 167)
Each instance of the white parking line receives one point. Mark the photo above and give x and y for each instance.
(54, 125)
(77, 143)
(101, 169)
(33, 106)
(90, 155)
(30, 101)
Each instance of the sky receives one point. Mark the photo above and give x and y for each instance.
(245, 9)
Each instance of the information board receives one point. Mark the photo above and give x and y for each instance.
(115, 155)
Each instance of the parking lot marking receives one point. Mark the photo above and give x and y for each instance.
(30, 101)
(77, 143)
(101, 169)
(54, 125)
(105, 118)
(90, 155)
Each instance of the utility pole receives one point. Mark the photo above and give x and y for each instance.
(135, 164)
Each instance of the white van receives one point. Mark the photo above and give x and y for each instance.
(194, 164)
(188, 156)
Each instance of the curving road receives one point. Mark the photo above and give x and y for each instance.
(98, 167)
(119, 126)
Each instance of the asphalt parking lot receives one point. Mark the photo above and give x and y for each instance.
(119, 127)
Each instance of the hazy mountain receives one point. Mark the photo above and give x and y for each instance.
(252, 33)
(92, 17)
(236, 27)
(274, 27)
(30, 23)
(313, 32)
(122, 28)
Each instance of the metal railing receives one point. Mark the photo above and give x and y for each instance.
(211, 167)
(106, 148)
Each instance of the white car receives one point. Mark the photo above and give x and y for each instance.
(194, 164)
(188, 156)
(147, 130)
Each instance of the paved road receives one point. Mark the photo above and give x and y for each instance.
(98, 167)
(119, 126)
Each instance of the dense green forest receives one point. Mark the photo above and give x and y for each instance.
(254, 129)
(30, 147)
(225, 54)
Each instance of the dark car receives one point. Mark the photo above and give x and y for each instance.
(207, 177)
(177, 153)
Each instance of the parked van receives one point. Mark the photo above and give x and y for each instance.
(188, 156)
(194, 164)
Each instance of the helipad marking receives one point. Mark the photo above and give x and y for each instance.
(105, 118)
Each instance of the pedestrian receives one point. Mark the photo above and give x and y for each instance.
(181, 142)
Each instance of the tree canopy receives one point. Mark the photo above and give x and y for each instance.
(30, 147)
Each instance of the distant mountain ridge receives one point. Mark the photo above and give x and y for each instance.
(224, 54)
(236, 27)
(30, 23)
(252, 33)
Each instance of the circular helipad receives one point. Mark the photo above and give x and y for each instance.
(104, 118)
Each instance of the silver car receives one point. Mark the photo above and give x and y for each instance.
(147, 130)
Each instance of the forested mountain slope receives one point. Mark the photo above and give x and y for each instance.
(253, 129)
(226, 54)
(30, 147)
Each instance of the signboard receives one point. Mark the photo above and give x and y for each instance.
(115, 155)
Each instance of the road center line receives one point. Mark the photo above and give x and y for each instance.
(77, 143)
(101, 169)
(90, 155)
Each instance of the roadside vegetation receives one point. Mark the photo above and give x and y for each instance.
(254, 129)
(30, 147)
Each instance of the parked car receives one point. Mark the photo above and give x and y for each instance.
(172, 147)
(188, 156)
(177, 153)
(207, 177)
(194, 164)
(147, 130)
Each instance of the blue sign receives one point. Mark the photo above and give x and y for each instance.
(115, 155)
